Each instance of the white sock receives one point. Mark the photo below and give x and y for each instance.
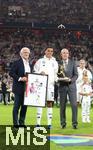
(39, 115)
(49, 115)
(88, 117)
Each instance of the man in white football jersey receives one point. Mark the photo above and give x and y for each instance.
(49, 66)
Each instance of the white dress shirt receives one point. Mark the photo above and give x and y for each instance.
(65, 63)
(26, 66)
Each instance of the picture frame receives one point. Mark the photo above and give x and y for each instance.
(36, 90)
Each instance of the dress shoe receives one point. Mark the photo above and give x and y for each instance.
(74, 126)
(37, 125)
(49, 126)
(22, 126)
(63, 126)
(16, 126)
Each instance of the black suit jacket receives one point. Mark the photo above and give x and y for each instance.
(17, 71)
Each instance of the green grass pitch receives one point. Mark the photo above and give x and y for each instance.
(87, 128)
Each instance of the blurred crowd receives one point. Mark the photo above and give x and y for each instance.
(52, 11)
(79, 43)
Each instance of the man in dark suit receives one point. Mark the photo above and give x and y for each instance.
(18, 73)
(67, 86)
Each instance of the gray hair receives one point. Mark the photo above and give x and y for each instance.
(22, 50)
(64, 49)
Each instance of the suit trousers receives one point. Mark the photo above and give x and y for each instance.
(19, 117)
(71, 92)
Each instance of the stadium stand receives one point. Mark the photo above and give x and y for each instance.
(53, 11)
